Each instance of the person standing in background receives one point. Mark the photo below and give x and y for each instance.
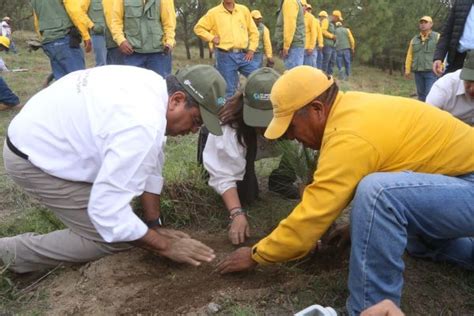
(328, 28)
(145, 33)
(95, 22)
(419, 57)
(61, 27)
(311, 53)
(345, 47)
(264, 41)
(290, 33)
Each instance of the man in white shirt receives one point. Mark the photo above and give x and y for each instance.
(91, 142)
(454, 92)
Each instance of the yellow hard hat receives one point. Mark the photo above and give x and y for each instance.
(5, 41)
(304, 2)
(338, 14)
(308, 6)
(256, 14)
(323, 14)
(6, 19)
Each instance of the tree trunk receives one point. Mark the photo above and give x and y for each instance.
(201, 49)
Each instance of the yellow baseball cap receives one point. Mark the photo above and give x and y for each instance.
(5, 41)
(291, 92)
(256, 14)
(338, 14)
(426, 18)
(323, 14)
(309, 6)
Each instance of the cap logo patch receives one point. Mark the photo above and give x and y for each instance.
(261, 96)
(188, 83)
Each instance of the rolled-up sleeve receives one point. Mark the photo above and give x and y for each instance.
(130, 165)
(224, 159)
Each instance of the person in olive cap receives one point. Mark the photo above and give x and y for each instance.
(91, 142)
(454, 92)
(406, 166)
(230, 159)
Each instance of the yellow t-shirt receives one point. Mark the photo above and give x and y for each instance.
(367, 133)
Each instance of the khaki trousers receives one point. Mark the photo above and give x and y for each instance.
(80, 242)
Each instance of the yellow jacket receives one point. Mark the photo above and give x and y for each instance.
(409, 58)
(319, 32)
(311, 31)
(324, 29)
(236, 29)
(168, 22)
(367, 133)
(290, 10)
(85, 4)
(267, 43)
(76, 14)
(108, 5)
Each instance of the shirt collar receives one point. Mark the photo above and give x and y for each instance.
(224, 9)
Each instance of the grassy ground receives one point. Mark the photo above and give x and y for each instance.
(188, 202)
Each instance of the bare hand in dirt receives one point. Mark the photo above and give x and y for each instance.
(239, 230)
(384, 308)
(171, 233)
(239, 260)
(340, 236)
(125, 48)
(438, 68)
(88, 46)
(232, 109)
(187, 250)
(216, 40)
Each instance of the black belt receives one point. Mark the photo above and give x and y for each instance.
(15, 150)
(232, 50)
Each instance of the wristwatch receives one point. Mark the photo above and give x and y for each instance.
(154, 223)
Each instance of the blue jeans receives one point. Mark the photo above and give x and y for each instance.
(310, 60)
(158, 62)
(258, 60)
(430, 215)
(344, 60)
(329, 56)
(424, 80)
(319, 60)
(114, 56)
(229, 65)
(7, 96)
(295, 58)
(100, 52)
(63, 58)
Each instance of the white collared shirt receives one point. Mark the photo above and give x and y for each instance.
(448, 94)
(104, 126)
(224, 158)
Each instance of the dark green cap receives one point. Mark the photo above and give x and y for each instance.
(206, 85)
(467, 72)
(258, 110)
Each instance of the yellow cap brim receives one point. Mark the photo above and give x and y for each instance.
(278, 126)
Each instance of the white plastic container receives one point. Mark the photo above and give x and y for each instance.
(317, 310)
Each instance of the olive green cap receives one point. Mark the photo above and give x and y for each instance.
(258, 110)
(467, 72)
(207, 87)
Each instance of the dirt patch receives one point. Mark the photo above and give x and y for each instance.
(136, 282)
